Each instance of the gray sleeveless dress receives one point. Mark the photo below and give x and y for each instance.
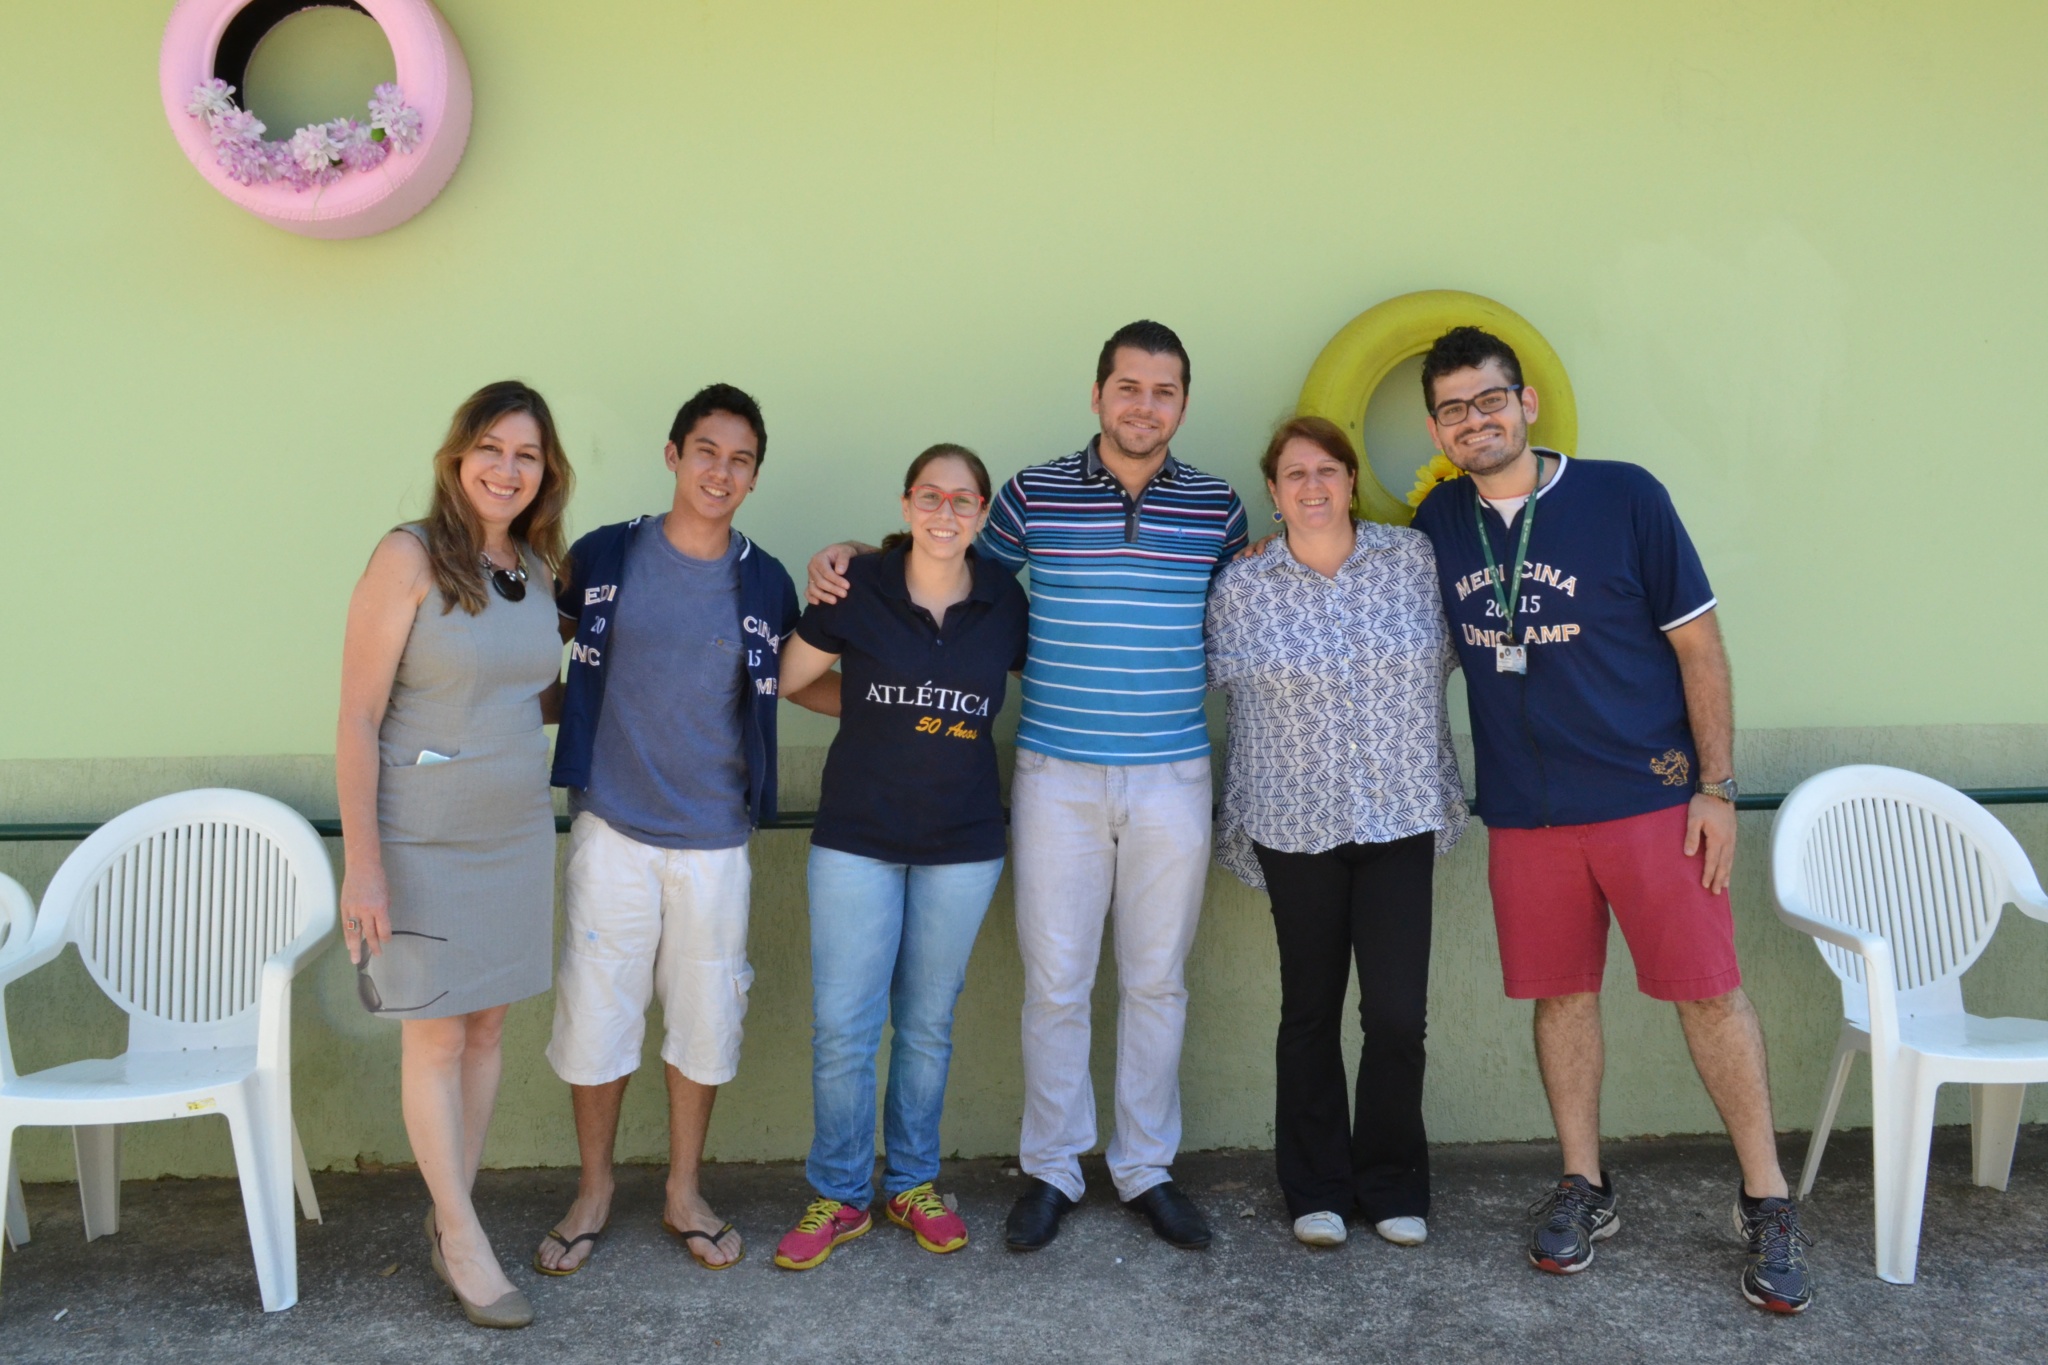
(469, 844)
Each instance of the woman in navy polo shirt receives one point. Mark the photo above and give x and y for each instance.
(908, 844)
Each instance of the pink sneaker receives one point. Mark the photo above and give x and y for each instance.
(825, 1224)
(921, 1210)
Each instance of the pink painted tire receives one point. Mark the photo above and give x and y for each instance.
(430, 71)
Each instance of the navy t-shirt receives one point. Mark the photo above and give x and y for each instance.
(911, 776)
(1597, 728)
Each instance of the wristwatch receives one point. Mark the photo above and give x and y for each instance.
(1725, 789)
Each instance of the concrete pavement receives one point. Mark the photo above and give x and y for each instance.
(176, 1283)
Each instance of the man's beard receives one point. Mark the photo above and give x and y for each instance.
(1159, 440)
(1506, 454)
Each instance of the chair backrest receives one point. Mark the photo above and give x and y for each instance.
(1900, 855)
(176, 905)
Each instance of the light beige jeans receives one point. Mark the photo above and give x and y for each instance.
(1086, 837)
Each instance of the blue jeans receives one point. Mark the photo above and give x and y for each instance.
(888, 941)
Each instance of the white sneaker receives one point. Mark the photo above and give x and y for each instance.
(1403, 1232)
(1320, 1230)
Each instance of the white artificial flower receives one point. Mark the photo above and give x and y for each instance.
(237, 125)
(211, 99)
(392, 116)
(312, 148)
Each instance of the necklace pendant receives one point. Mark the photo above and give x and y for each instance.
(509, 584)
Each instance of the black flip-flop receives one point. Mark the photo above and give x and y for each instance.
(568, 1244)
(689, 1235)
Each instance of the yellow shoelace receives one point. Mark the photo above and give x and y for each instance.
(818, 1214)
(925, 1200)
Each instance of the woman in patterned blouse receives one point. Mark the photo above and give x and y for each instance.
(1340, 790)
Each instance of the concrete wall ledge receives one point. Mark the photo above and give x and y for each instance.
(1482, 1086)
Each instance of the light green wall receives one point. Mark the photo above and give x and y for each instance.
(1777, 246)
(1786, 252)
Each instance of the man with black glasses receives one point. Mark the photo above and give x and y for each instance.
(1603, 727)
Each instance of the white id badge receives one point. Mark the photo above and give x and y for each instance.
(429, 756)
(1511, 658)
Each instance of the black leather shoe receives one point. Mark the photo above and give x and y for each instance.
(1173, 1216)
(1035, 1218)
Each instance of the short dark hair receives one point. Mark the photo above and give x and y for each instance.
(720, 398)
(1465, 348)
(1308, 427)
(1153, 338)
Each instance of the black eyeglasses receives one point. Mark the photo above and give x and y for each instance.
(510, 583)
(1486, 402)
(366, 985)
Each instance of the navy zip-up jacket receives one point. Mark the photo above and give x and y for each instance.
(590, 595)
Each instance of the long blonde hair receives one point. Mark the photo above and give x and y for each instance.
(455, 535)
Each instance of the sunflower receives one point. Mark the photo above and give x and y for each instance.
(1430, 475)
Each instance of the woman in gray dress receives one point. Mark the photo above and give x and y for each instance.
(449, 670)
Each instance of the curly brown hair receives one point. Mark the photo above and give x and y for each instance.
(455, 535)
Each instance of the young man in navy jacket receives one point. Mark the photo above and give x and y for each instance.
(1603, 727)
(667, 747)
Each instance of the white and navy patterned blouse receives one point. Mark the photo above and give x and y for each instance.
(1337, 726)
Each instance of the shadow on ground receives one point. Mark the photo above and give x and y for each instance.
(176, 1283)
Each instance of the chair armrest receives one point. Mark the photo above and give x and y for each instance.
(295, 955)
(17, 916)
(1879, 980)
(274, 1015)
(274, 995)
(1844, 936)
(2027, 893)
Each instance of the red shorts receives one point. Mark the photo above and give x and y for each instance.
(1552, 889)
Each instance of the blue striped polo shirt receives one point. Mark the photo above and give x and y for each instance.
(1115, 671)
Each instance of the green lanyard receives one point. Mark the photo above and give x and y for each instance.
(1511, 598)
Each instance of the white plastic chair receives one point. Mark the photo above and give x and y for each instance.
(192, 912)
(17, 918)
(1902, 881)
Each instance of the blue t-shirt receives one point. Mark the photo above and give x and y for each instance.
(668, 768)
(1597, 728)
(911, 776)
(1118, 591)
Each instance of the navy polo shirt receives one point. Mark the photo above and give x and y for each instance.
(1597, 728)
(911, 776)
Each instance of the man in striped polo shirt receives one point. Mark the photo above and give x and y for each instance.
(1111, 800)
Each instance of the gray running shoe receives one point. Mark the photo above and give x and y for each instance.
(1776, 1277)
(1568, 1220)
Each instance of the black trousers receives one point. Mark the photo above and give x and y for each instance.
(1369, 903)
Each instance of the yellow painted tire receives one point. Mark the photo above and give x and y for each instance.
(1344, 376)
